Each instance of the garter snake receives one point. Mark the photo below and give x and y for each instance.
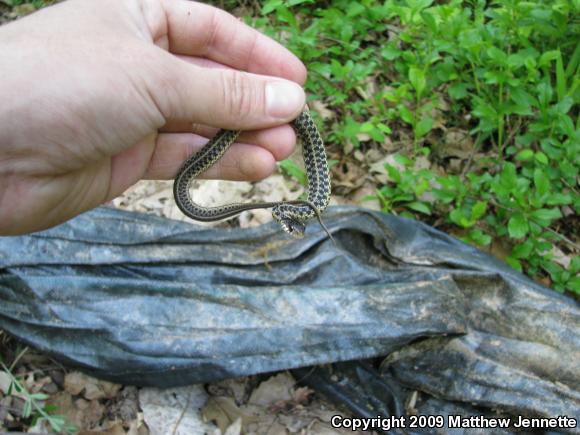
(291, 215)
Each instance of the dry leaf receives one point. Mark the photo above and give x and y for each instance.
(163, 409)
(236, 388)
(388, 145)
(302, 395)
(116, 429)
(368, 189)
(223, 412)
(267, 425)
(322, 109)
(363, 137)
(379, 168)
(559, 257)
(358, 155)
(5, 382)
(76, 383)
(373, 155)
(277, 388)
(81, 413)
(457, 143)
(235, 428)
(348, 147)
(24, 9)
(349, 174)
(499, 248)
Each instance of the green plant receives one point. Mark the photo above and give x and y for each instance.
(34, 409)
(36, 3)
(407, 189)
(507, 71)
(295, 171)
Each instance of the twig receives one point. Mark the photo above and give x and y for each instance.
(471, 155)
(20, 355)
(563, 238)
(178, 422)
(572, 188)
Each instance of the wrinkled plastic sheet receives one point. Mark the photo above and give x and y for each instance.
(143, 300)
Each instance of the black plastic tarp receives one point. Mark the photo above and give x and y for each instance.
(144, 300)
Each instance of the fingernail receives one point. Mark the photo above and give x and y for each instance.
(283, 99)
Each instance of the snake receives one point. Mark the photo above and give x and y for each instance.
(291, 215)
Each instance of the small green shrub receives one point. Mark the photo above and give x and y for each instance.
(34, 408)
(36, 3)
(505, 71)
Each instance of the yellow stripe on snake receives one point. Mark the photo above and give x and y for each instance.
(291, 215)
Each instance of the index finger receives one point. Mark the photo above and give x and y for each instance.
(196, 29)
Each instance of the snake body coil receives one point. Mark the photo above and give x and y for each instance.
(292, 215)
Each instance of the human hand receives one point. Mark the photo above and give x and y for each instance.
(99, 94)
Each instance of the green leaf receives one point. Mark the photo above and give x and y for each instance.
(575, 265)
(478, 210)
(390, 52)
(541, 182)
(518, 226)
(479, 237)
(497, 55)
(384, 128)
(394, 173)
(421, 187)
(542, 158)
(523, 250)
(525, 155)
(546, 215)
(417, 79)
(294, 171)
(57, 422)
(403, 160)
(560, 77)
(557, 198)
(406, 114)
(27, 409)
(420, 207)
(458, 91)
(544, 92)
(354, 9)
(508, 176)
(424, 126)
(515, 264)
(50, 408)
(574, 284)
(430, 21)
(418, 5)
(548, 57)
(270, 6)
(523, 98)
(286, 15)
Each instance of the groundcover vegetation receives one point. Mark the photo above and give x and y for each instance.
(474, 104)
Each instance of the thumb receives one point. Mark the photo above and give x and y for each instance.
(227, 98)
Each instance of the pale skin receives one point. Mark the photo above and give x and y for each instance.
(98, 94)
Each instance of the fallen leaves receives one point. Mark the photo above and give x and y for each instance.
(174, 410)
(89, 404)
(322, 109)
(276, 406)
(77, 383)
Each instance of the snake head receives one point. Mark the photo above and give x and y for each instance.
(290, 225)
